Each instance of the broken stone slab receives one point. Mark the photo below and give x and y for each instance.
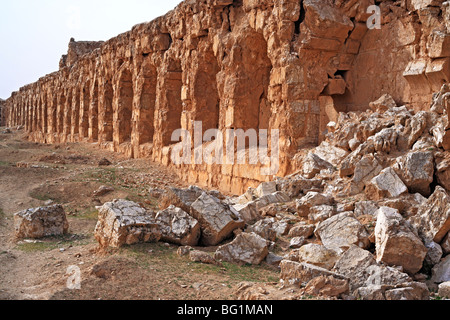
(330, 153)
(216, 219)
(41, 222)
(365, 170)
(364, 274)
(293, 272)
(383, 104)
(266, 188)
(328, 286)
(246, 248)
(248, 196)
(302, 230)
(123, 222)
(434, 254)
(313, 165)
(178, 227)
(396, 244)
(441, 271)
(281, 227)
(264, 228)
(433, 218)
(341, 231)
(321, 213)
(202, 257)
(248, 212)
(295, 185)
(312, 199)
(276, 197)
(416, 169)
(409, 291)
(385, 275)
(444, 290)
(385, 141)
(323, 19)
(315, 254)
(180, 198)
(347, 166)
(414, 128)
(404, 291)
(386, 185)
(363, 208)
(354, 264)
(273, 259)
(297, 242)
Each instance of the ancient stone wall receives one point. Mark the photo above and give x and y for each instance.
(290, 65)
(2, 111)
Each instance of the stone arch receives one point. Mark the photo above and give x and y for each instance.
(53, 114)
(84, 110)
(244, 83)
(107, 113)
(69, 115)
(144, 114)
(45, 114)
(30, 114)
(124, 108)
(61, 113)
(94, 111)
(203, 92)
(170, 102)
(34, 117)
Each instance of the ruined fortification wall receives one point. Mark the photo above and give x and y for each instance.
(2, 113)
(289, 65)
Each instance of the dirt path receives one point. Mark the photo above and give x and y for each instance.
(32, 174)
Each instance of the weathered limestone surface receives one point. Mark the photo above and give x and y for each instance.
(246, 248)
(287, 65)
(178, 227)
(122, 222)
(396, 244)
(41, 222)
(216, 219)
(433, 218)
(341, 231)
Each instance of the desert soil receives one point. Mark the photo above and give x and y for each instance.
(31, 174)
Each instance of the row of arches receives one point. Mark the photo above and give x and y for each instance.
(139, 111)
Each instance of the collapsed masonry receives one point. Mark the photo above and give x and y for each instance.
(290, 65)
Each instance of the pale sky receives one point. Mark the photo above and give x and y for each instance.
(35, 34)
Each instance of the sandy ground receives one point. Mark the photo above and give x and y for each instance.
(32, 174)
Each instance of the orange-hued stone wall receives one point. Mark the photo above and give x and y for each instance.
(289, 65)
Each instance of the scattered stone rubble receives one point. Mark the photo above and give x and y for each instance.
(373, 225)
(41, 222)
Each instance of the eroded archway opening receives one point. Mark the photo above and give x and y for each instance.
(45, 127)
(84, 115)
(61, 113)
(124, 108)
(146, 128)
(108, 113)
(94, 111)
(53, 115)
(203, 84)
(171, 100)
(69, 115)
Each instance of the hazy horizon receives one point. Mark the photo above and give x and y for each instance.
(35, 34)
